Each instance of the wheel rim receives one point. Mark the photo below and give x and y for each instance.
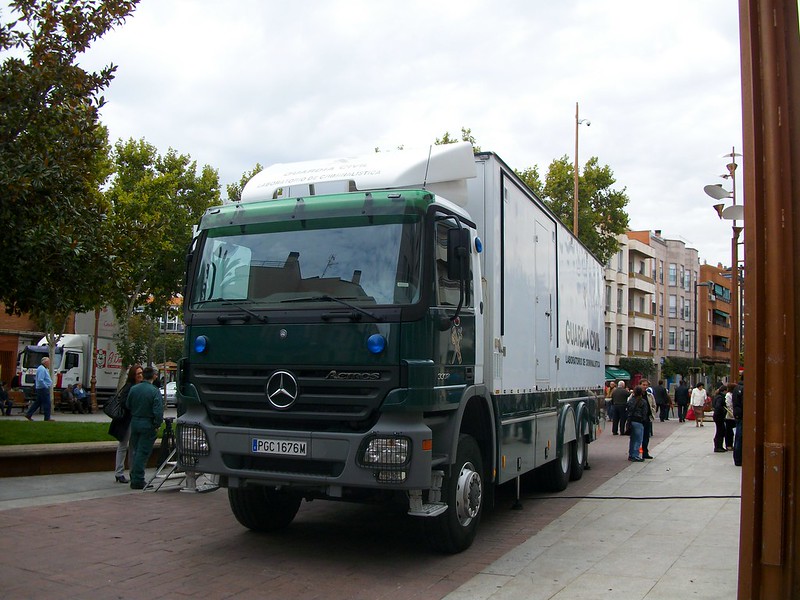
(565, 458)
(580, 450)
(469, 494)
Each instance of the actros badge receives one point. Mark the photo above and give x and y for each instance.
(282, 389)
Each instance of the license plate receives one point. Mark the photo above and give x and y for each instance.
(281, 447)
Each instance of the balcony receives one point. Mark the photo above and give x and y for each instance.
(641, 320)
(643, 283)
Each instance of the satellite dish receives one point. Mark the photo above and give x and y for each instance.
(717, 192)
(733, 213)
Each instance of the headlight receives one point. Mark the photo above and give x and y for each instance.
(192, 443)
(386, 452)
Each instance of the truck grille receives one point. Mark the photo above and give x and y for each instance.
(236, 396)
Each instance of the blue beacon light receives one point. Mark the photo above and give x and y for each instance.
(376, 343)
(200, 344)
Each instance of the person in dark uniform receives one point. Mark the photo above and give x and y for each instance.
(147, 414)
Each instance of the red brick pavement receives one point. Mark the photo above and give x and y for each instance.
(146, 545)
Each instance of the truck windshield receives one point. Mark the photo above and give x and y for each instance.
(370, 263)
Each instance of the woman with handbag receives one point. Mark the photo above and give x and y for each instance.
(698, 403)
(120, 426)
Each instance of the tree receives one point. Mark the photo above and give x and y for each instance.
(601, 209)
(52, 156)
(235, 189)
(155, 202)
(53, 159)
(643, 366)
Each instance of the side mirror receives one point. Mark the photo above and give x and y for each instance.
(457, 253)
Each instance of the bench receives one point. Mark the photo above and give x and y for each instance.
(18, 399)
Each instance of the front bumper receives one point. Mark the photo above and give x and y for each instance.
(333, 461)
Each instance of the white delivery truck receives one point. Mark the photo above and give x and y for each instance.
(412, 323)
(73, 357)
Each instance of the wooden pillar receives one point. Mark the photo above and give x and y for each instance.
(769, 557)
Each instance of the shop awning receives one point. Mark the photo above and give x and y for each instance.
(616, 374)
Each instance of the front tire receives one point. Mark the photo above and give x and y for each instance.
(455, 529)
(263, 509)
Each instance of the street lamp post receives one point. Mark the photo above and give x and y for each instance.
(731, 213)
(575, 173)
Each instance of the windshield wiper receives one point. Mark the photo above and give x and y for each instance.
(326, 298)
(259, 318)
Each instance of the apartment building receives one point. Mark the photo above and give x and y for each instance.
(671, 271)
(714, 315)
(629, 289)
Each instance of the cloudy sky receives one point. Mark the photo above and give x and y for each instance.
(244, 81)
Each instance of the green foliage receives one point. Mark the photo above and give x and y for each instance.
(168, 347)
(532, 179)
(235, 189)
(601, 209)
(135, 338)
(643, 366)
(53, 157)
(466, 136)
(156, 200)
(678, 365)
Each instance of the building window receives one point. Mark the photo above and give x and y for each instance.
(608, 337)
(681, 280)
(687, 311)
(687, 280)
(661, 304)
(608, 298)
(661, 271)
(653, 341)
(688, 339)
(619, 300)
(683, 340)
(660, 337)
(643, 348)
(673, 305)
(672, 335)
(619, 340)
(673, 274)
(620, 264)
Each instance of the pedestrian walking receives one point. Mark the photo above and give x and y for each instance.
(44, 383)
(637, 414)
(718, 404)
(738, 414)
(698, 402)
(120, 427)
(663, 401)
(147, 414)
(609, 407)
(619, 401)
(651, 416)
(730, 421)
(682, 400)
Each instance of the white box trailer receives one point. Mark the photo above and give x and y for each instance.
(413, 323)
(73, 357)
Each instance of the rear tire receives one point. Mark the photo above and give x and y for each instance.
(556, 473)
(455, 529)
(263, 509)
(579, 456)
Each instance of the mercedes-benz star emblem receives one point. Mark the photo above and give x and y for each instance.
(282, 389)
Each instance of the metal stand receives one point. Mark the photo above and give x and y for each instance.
(168, 470)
